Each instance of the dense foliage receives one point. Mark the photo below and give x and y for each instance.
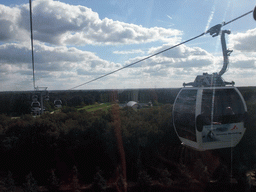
(83, 139)
(50, 146)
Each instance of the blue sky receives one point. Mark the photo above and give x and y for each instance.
(79, 40)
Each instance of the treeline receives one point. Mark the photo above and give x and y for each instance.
(56, 143)
(15, 104)
(19, 103)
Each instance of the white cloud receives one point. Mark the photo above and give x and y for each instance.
(244, 42)
(9, 19)
(14, 53)
(243, 57)
(59, 26)
(180, 57)
(181, 51)
(182, 65)
(108, 32)
(63, 24)
(242, 61)
(51, 62)
(134, 51)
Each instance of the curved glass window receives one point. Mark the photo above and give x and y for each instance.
(184, 114)
(35, 104)
(227, 106)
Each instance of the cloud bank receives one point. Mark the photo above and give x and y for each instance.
(58, 23)
(63, 33)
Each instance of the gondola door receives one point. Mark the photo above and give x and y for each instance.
(220, 123)
(184, 116)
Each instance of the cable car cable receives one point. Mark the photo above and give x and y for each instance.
(226, 23)
(32, 44)
(139, 61)
(254, 13)
(148, 57)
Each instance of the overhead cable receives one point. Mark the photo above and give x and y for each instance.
(148, 57)
(138, 61)
(32, 44)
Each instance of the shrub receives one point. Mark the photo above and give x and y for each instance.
(9, 184)
(66, 109)
(75, 180)
(144, 180)
(54, 182)
(99, 183)
(31, 184)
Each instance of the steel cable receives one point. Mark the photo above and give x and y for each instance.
(148, 57)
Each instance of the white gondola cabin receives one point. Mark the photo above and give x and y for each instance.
(212, 113)
(210, 118)
(58, 103)
(35, 107)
